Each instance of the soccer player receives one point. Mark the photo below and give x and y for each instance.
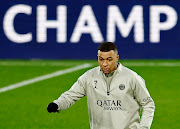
(115, 94)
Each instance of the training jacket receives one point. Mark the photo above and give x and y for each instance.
(114, 104)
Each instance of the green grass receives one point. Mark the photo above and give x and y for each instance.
(25, 107)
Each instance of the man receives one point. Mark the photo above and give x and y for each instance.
(115, 94)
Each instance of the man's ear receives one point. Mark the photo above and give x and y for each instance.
(117, 58)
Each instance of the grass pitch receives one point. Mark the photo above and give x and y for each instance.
(25, 107)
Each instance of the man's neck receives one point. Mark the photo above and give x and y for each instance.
(109, 74)
(112, 72)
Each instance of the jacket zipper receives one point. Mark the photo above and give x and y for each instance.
(108, 87)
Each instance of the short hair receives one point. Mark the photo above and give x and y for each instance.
(107, 46)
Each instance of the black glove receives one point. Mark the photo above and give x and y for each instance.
(52, 107)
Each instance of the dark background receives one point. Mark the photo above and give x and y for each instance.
(167, 48)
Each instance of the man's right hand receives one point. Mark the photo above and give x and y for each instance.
(52, 107)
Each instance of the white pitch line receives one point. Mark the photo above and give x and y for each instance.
(40, 78)
(38, 63)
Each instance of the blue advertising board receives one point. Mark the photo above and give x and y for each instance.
(73, 29)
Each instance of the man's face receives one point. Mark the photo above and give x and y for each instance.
(108, 61)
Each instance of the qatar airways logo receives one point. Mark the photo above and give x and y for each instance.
(109, 104)
(87, 24)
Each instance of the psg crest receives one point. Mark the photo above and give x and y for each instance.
(122, 87)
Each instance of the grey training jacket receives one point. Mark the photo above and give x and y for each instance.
(114, 106)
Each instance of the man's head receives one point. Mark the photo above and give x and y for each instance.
(108, 57)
